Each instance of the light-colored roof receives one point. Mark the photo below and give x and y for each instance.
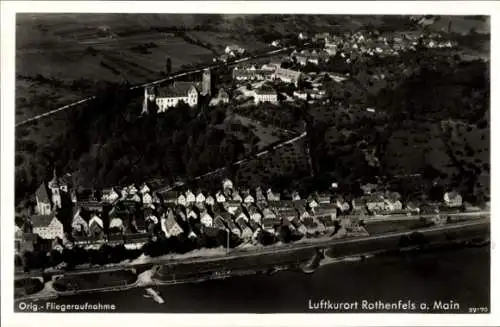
(288, 73)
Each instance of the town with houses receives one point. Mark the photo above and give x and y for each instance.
(133, 215)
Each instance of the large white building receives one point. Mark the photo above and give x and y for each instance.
(266, 94)
(170, 96)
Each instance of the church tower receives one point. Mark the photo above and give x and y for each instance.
(207, 82)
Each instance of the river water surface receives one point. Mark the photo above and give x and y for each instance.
(461, 276)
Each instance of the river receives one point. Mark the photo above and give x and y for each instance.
(462, 276)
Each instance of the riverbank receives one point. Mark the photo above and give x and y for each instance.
(418, 276)
(202, 270)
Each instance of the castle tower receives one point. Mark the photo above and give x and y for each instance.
(149, 96)
(207, 82)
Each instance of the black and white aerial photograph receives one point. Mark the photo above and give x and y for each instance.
(251, 163)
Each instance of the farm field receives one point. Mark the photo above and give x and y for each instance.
(220, 40)
(63, 49)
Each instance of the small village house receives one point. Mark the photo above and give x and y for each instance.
(271, 196)
(96, 227)
(220, 197)
(328, 210)
(452, 199)
(144, 189)
(303, 213)
(267, 213)
(210, 201)
(181, 200)
(270, 225)
(190, 197)
(231, 225)
(312, 203)
(79, 225)
(227, 184)
(240, 213)
(237, 197)
(116, 225)
(147, 199)
(200, 197)
(295, 196)
(109, 195)
(249, 199)
(170, 227)
(206, 219)
(191, 213)
(231, 206)
(47, 226)
(375, 203)
(132, 190)
(246, 231)
(254, 214)
(43, 202)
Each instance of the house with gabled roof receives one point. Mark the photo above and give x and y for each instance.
(219, 222)
(79, 225)
(109, 195)
(323, 198)
(132, 189)
(327, 209)
(147, 198)
(220, 197)
(289, 213)
(191, 213)
(267, 213)
(232, 206)
(295, 196)
(144, 189)
(299, 226)
(181, 200)
(47, 226)
(43, 202)
(206, 219)
(452, 199)
(254, 213)
(271, 196)
(200, 197)
(227, 183)
(190, 197)
(248, 199)
(246, 231)
(96, 226)
(237, 197)
(303, 213)
(169, 225)
(116, 225)
(209, 201)
(312, 202)
(240, 213)
(270, 225)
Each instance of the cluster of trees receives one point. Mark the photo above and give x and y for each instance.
(419, 90)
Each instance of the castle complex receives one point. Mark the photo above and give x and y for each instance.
(170, 96)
